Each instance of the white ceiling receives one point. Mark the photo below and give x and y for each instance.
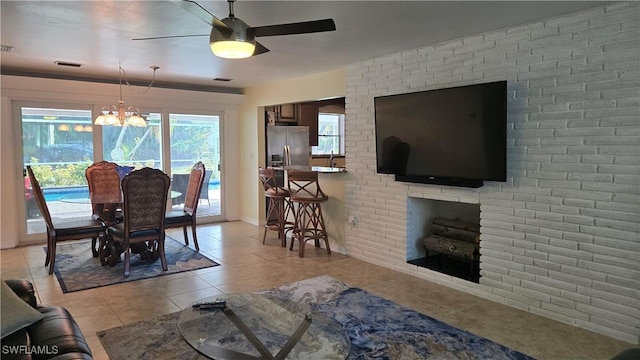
(97, 34)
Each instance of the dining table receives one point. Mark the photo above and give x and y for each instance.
(109, 217)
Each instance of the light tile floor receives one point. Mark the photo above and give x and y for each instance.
(248, 265)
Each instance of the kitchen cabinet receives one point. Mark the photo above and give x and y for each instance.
(308, 116)
(288, 112)
(284, 113)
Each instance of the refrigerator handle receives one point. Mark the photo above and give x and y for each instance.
(287, 155)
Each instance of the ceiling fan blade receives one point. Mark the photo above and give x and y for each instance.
(260, 49)
(304, 27)
(203, 14)
(169, 37)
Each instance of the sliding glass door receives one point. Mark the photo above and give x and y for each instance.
(196, 138)
(57, 144)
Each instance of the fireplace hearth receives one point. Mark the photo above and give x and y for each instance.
(450, 266)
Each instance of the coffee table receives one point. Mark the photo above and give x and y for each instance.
(261, 326)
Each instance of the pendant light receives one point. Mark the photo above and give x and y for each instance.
(118, 115)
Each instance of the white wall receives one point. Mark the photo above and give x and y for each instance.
(561, 238)
(75, 92)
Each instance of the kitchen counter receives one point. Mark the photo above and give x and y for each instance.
(319, 169)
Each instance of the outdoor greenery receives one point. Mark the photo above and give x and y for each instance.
(60, 175)
(59, 149)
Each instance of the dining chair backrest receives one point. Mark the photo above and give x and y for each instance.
(196, 181)
(104, 183)
(40, 200)
(204, 192)
(145, 199)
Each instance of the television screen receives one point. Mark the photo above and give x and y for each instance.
(444, 135)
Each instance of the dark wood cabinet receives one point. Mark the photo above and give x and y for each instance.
(309, 117)
(287, 113)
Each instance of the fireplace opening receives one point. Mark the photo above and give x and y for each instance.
(444, 236)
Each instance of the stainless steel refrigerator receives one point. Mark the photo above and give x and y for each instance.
(287, 145)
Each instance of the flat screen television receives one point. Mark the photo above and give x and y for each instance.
(454, 136)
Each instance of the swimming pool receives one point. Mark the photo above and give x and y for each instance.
(82, 192)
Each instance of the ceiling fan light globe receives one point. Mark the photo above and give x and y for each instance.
(231, 49)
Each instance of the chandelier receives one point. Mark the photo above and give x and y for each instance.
(117, 115)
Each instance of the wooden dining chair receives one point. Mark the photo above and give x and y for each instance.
(187, 215)
(60, 231)
(145, 200)
(105, 194)
(204, 192)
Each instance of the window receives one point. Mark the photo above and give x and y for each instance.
(134, 146)
(330, 134)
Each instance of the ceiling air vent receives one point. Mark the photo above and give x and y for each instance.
(6, 48)
(222, 79)
(67, 63)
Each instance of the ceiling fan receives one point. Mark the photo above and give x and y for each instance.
(232, 38)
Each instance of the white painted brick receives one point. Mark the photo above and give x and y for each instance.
(611, 265)
(622, 254)
(547, 265)
(632, 293)
(630, 311)
(619, 267)
(584, 95)
(574, 314)
(626, 284)
(535, 291)
(576, 298)
(561, 260)
(614, 323)
(578, 237)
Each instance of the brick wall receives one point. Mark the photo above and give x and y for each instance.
(561, 237)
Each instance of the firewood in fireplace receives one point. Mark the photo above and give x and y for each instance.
(456, 229)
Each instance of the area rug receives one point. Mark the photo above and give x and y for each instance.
(377, 328)
(77, 270)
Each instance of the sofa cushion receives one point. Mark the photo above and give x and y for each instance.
(15, 313)
(59, 331)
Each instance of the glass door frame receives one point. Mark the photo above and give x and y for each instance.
(16, 114)
(166, 139)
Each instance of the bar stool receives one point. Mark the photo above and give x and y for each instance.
(305, 192)
(279, 206)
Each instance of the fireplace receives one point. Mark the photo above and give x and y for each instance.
(421, 214)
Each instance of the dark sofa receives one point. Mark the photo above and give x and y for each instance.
(55, 336)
